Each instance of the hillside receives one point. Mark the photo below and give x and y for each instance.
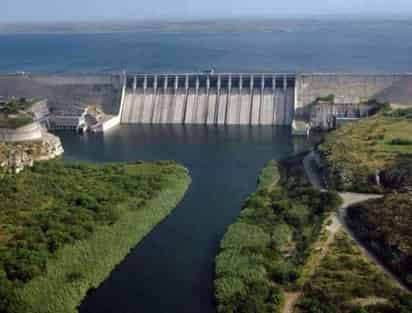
(371, 155)
(385, 227)
(375, 155)
(348, 282)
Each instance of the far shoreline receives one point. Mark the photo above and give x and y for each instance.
(253, 24)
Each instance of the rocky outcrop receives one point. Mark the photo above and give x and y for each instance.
(14, 157)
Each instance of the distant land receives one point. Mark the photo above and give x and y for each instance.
(202, 26)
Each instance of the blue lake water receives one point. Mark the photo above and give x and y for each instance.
(345, 46)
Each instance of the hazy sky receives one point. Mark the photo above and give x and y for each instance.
(55, 10)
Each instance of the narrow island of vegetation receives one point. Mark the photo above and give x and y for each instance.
(265, 252)
(65, 226)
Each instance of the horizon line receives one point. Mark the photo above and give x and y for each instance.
(197, 19)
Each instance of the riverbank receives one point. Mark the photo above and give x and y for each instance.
(67, 236)
(263, 254)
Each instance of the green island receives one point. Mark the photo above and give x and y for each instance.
(265, 252)
(65, 226)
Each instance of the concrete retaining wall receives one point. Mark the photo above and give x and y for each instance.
(103, 91)
(347, 88)
(352, 88)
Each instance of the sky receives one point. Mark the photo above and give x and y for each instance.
(81, 10)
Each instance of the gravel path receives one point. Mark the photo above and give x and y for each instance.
(291, 298)
(338, 222)
(349, 199)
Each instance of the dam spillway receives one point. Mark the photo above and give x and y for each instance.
(209, 99)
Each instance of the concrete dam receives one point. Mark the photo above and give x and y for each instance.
(209, 99)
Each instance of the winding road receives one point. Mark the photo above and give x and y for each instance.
(349, 199)
(338, 222)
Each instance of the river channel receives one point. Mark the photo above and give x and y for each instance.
(171, 270)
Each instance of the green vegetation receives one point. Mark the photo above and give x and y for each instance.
(385, 225)
(366, 155)
(15, 106)
(400, 142)
(15, 121)
(329, 98)
(64, 227)
(347, 282)
(372, 155)
(265, 250)
(12, 113)
(269, 176)
(406, 113)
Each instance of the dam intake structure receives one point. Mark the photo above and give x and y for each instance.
(209, 99)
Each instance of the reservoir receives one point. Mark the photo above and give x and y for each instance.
(171, 270)
(330, 45)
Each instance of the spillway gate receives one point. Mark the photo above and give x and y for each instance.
(209, 99)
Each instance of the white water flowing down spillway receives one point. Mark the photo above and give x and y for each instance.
(209, 99)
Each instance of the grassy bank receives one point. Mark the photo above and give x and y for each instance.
(264, 251)
(371, 155)
(347, 282)
(64, 227)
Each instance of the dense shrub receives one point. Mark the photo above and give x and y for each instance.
(346, 276)
(400, 142)
(398, 176)
(385, 226)
(245, 236)
(56, 207)
(297, 215)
